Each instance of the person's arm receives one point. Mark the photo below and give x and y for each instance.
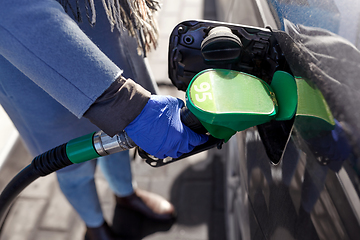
(44, 43)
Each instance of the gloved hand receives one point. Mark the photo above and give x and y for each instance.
(159, 131)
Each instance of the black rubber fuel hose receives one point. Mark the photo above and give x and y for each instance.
(42, 165)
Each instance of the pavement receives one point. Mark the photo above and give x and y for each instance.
(194, 185)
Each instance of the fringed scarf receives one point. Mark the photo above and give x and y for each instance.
(136, 16)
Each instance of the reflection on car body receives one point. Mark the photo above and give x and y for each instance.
(313, 193)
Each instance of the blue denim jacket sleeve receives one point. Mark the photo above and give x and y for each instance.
(44, 43)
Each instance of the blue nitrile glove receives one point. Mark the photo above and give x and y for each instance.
(159, 131)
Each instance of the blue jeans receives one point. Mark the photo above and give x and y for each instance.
(78, 185)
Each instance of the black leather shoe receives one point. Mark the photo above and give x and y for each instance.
(103, 232)
(149, 204)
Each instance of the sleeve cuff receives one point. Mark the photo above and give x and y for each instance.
(118, 106)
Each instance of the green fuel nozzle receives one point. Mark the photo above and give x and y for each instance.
(227, 101)
(97, 144)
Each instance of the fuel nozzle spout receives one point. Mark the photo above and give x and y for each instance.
(105, 145)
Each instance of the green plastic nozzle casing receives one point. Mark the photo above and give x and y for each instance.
(81, 149)
(313, 114)
(227, 101)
